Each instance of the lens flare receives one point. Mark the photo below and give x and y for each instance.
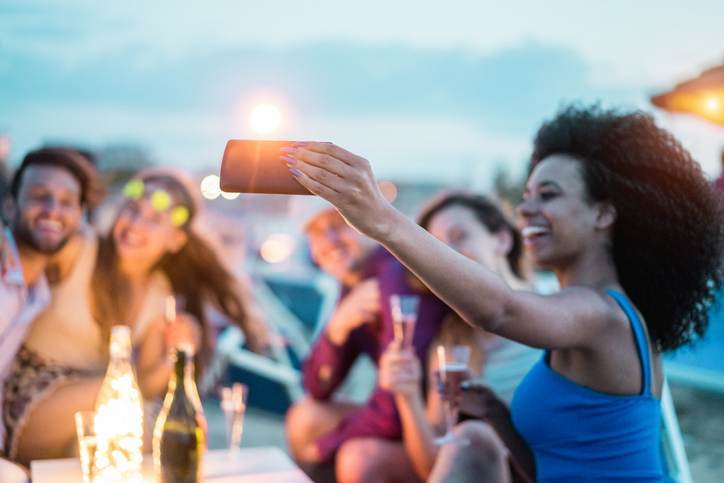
(277, 248)
(210, 187)
(265, 118)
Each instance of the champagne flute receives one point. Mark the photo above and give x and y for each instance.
(233, 404)
(452, 370)
(404, 316)
(87, 443)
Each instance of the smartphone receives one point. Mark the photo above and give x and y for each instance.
(251, 166)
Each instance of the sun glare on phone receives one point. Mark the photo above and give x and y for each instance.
(265, 118)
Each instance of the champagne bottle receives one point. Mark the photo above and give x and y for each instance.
(119, 415)
(179, 436)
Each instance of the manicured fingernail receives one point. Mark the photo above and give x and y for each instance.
(288, 150)
(299, 144)
(295, 172)
(288, 160)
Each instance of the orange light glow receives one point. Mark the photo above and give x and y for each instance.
(707, 104)
(702, 96)
(277, 248)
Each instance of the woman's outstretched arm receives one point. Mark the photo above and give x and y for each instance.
(575, 317)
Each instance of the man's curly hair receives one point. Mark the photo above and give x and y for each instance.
(668, 236)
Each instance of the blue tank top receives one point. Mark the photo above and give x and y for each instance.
(578, 434)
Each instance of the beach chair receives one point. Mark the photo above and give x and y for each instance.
(676, 464)
(279, 369)
(292, 340)
(230, 353)
(701, 365)
(303, 300)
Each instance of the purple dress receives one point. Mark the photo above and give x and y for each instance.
(328, 364)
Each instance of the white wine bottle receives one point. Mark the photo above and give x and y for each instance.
(119, 415)
(179, 438)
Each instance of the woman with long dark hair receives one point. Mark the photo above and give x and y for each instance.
(477, 228)
(153, 236)
(623, 216)
(151, 253)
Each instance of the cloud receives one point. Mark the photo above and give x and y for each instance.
(179, 78)
(419, 113)
(505, 90)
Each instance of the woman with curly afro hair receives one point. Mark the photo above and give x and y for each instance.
(624, 217)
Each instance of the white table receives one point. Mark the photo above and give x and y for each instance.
(11, 473)
(246, 465)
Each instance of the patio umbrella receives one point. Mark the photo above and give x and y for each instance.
(702, 96)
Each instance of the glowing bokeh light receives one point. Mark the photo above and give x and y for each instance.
(229, 196)
(118, 420)
(712, 103)
(210, 187)
(265, 118)
(277, 248)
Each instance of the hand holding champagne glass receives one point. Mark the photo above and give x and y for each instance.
(400, 371)
(452, 371)
(404, 316)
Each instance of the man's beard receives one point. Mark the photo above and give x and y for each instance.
(24, 236)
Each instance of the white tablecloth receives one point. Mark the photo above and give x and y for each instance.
(246, 465)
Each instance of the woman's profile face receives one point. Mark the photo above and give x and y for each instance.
(458, 227)
(143, 233)
(556, 219)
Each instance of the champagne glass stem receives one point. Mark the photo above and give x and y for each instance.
(448, 419)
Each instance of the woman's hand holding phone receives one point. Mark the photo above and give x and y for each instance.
(345, 180)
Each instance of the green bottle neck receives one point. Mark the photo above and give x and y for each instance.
(183, 372)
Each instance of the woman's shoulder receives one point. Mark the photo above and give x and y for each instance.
(587, 317)
(597, 304)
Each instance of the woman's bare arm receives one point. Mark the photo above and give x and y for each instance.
(573, 318)
(154, 366)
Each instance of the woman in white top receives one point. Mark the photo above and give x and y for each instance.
(150, 253)
(477, 228)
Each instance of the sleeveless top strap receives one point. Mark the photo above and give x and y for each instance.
(639, 335)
